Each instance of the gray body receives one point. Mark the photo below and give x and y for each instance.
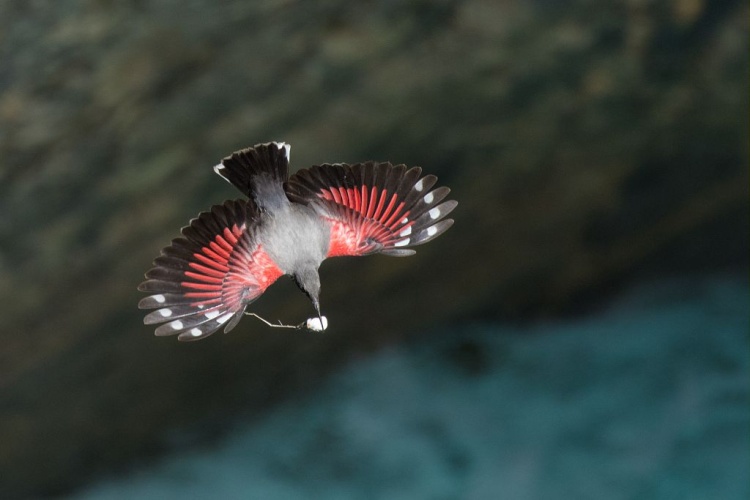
(293, 235)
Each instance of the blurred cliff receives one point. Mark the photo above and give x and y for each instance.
(589, 145)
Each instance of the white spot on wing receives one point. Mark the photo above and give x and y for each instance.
(211, 314)
(434, 213)
(419, 186)
(159, 298)
(405, 220)
(195, 332)
(176, 324)
(223, 319)
(429, 197)
(405, 232)
(165, 312)
(401, 243)
(431, 231)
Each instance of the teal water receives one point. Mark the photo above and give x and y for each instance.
(648, 398)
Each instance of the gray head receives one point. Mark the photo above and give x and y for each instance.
(308, 280)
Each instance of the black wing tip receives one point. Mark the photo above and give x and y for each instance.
(145, 302)
(447, 207)
(432, 232)
(186, 337)
(398, 252)
(190, 327)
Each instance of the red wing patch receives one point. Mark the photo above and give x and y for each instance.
(374, 207)
(204, 281)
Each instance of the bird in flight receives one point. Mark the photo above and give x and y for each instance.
(227, 257)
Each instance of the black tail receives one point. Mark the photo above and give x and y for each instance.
(259, 172)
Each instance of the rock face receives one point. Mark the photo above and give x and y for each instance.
(587, 145)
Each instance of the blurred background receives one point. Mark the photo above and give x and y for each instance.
(581, 331)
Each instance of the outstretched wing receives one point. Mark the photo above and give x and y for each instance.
(373, 207)
(204, 280)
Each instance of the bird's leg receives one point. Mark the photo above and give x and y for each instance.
(274, 325)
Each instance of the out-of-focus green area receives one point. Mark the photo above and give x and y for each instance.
(589, 144)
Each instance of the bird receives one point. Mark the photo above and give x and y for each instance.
(228, 256)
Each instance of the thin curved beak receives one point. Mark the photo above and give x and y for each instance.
(316, 304)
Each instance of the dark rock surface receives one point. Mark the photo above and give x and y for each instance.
(587, 144)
